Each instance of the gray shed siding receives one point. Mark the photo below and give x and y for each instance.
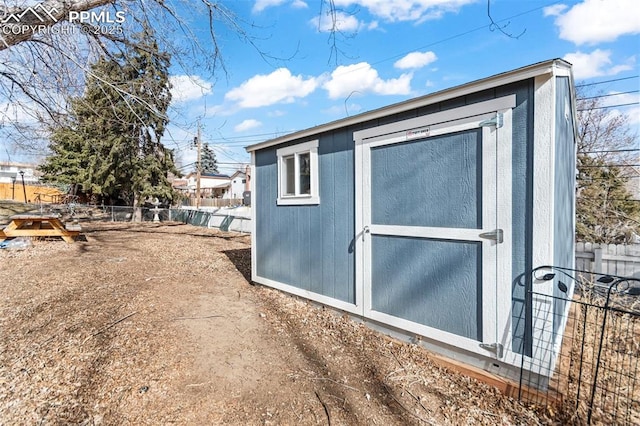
(310, 247)
(565, 171)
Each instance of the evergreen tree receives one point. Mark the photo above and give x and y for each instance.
(208, 161)
(604, 211)
(111, 144)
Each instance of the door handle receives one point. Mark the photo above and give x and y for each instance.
(365, 230)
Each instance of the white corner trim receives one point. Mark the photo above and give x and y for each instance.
(254, 207)
(543, 174)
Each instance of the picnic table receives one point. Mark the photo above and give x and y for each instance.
(26, 225)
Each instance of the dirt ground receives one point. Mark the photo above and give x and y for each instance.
(158, 324)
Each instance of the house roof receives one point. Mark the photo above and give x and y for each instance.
(238, 172)
(547, 67)
(208, 176)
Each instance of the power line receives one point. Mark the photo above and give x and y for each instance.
(607, 165)
(609, 106)
(589, 179)
(609, 199)
(610, 150)
(607, 95)
(607, 81)
(459, 35)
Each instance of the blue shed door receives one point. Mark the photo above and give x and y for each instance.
(434, 256)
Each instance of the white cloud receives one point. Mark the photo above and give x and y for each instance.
(634, 116)
(407, 10)
(617, 98)
(188, 87)
(631, 110)
(343, 22)
(348, 79)
(247, 125)
(261, 5)
(597, 21)
(416, 60)
(278, 87)
(595, 64)
(554, 10)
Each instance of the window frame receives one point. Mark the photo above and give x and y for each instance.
(311, 148)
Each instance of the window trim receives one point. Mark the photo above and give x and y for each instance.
(310, 147)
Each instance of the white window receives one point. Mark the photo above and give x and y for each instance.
(298, 174)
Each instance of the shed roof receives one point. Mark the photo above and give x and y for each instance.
(540, 68)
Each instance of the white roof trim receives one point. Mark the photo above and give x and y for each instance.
(553, 67)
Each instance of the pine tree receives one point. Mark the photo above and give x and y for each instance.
(208, 161)
(605, 213)
(111, 144)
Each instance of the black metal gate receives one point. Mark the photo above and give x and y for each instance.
(596, 348)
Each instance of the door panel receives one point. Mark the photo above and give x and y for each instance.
(429, 208)
(433, 273)
(442, 171)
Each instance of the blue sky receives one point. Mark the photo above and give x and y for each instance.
(389, 51)
(290, 78)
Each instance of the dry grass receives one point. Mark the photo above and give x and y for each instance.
(157, 324)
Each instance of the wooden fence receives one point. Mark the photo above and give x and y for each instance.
(616, 259)
(213, 202)
(34, 193)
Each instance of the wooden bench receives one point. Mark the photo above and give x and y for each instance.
(26, 225)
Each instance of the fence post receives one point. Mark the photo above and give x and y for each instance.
(594, 387)
(597, 260)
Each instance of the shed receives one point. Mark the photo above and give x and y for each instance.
(426, 217)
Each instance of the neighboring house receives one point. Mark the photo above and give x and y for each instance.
(214, 185)
(11, 171)
(211, 185)
(238, 184)
(427, 216)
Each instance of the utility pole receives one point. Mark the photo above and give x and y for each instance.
(198, 167)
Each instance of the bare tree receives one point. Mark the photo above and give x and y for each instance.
(607, 159)
(603, 134)
(46, 51)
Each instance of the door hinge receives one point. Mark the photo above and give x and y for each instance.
(497, 348)
(497, 121)
(496, 235)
